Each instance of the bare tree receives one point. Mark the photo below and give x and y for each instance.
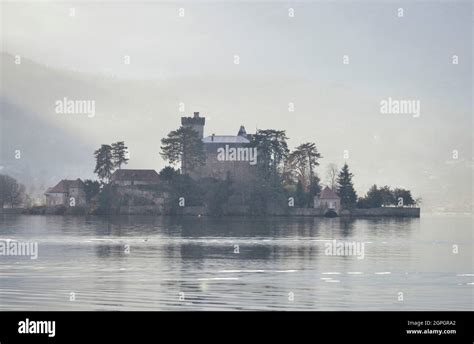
(331, 175)
(11, 192)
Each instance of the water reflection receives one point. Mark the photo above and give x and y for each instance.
(170, 257)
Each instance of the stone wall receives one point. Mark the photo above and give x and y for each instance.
(239, 171)
(243, 210)
(142, 210)
(11, 210)
(191, 211)
(385, 211)
(305, 212)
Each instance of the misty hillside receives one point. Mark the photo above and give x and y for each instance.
(141, 112)
(48, 153)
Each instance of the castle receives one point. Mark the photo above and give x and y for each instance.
(227, 156)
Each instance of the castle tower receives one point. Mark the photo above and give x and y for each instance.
(195, 122)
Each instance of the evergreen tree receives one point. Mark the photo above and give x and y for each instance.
(183, 146)
(104, 163)
(272, 149)
(312, 155)
(300, 196)
(91, 189)
(119, 152)
(345, 188)
(298, 164)
(168, 173)
(303, 161)
(314, 188)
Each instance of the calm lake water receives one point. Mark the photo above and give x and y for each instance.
(190, 264)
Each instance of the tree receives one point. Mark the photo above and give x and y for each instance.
(266, 193)
(304, 198)
(331, 176)
(300, 195)
(183, 146)
(299, 165)
(373, 199)
(267, 196)
(387, 196)
(216, 194)
(107, 200)
(304, 160)
(168, 173)
(272, 149)
(377, 197)
(183, 186)
(312, 155)
(119, 154)
(11, 192)
(362, 203)
(403, 197)
(91, 189)
(104, 163)
(314, 188)
(288, 177)
(345, 188)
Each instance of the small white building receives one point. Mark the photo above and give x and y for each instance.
(328, 200)
(66, 192)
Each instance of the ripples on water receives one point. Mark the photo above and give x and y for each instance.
(189, 264)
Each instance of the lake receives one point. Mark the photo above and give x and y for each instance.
(237, 263)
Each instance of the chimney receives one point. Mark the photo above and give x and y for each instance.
(196, 115)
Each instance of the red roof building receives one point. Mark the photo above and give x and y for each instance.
(328, 200)
(328, 193)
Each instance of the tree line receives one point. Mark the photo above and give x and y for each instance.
(108, 158)
(386, 196)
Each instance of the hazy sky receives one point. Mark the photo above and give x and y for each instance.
(383, 48)
(389, 56)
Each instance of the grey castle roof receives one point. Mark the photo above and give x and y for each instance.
(150, 176)
(224, 139)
